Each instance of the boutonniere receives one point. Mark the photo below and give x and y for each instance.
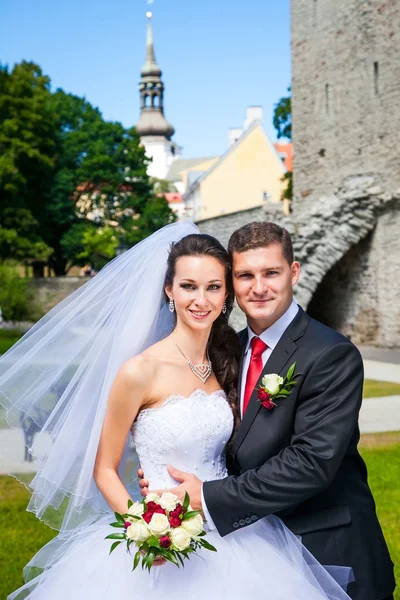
(273, 387)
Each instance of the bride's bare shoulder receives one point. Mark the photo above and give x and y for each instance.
(145, 366)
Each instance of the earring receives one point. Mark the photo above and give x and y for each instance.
(224, 308)
(171, 305)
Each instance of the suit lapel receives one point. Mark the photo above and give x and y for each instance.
(243, 337)
(277, 363)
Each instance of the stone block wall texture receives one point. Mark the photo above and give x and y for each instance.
(346, 93)
(49, 291)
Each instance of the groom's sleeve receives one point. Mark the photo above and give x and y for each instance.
(325, 422)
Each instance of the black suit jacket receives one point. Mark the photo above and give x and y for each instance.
(301, 463)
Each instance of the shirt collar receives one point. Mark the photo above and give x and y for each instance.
(273, 334)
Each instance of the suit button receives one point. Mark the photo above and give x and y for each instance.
(248, 520)
(236, 525)
(253, 518)
(242, 522)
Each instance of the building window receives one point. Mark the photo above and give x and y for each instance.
(327, 97)
(376, 78)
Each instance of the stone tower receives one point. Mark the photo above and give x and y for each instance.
(346, 93)
(154, 130)
(346, 135)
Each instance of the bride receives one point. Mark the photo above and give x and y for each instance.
(142, 353)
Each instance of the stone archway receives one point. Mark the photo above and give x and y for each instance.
(346, 298)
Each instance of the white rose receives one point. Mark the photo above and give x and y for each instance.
(152, 497)
(194, 526)
(272, 383)
(180, 538)
(168, 501)
(138, 532)
(137, 509)
(159, 524)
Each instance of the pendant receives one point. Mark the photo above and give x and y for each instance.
(203, 372)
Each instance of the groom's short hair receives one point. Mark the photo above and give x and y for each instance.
(261, 234)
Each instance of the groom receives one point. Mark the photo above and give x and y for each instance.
(299, 460)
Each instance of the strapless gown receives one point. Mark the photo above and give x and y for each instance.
(264, 560)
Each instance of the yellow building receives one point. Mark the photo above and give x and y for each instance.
(249, 174)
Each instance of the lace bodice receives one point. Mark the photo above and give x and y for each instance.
(189, 433)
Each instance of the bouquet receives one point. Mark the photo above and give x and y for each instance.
(160, 526)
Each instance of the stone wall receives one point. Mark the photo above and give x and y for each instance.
(345, 94)
(49, 291)
(223, 226)
(359, 295)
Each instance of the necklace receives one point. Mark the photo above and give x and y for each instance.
(202, 371)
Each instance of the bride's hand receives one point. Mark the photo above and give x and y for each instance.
(144, 483)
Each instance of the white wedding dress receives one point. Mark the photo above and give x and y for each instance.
(264, 560)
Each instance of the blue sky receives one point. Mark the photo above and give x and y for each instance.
(217, 57)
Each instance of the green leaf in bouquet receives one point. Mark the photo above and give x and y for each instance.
(186, 501)
(291, 371)
(170, 555)
(118, 524)
(179, 557)
(151, 556)
(190, 514)
(116, 536)
(114, 545)
(130, 503)
(153, 542)
(119, 518)
(207, 545)
(136, 560)
(201, 534)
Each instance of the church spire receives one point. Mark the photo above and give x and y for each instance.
(152, 121)
(150, 67)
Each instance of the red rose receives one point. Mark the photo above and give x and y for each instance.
(127, 524)
(165, 542)
(155, 508)
(175, 521)
(177, 511)
(268, 404)
(263, 395)
(147, 516)
(152, 507)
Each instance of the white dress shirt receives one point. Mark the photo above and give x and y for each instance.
(271, 337)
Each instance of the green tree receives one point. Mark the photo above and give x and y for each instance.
(27, 158)
(68, 179)
(162, 186)
(282, 121)
(282, 118)
(101, 181)
(85, 243)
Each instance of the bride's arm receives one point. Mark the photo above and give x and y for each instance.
(128, 393)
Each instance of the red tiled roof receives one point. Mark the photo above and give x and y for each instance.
(172, 197)
(287, 151)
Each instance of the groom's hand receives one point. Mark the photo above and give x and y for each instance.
(189, 483)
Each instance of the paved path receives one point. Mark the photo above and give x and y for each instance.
(377, 415)
(380, 414)
(381, 371)
(388, 355)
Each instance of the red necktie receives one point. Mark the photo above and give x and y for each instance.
(254, 370)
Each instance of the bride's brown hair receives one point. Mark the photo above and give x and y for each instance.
(223, 343)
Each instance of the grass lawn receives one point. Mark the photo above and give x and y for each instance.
(374, 389)
(381, 452)
(8, 337)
